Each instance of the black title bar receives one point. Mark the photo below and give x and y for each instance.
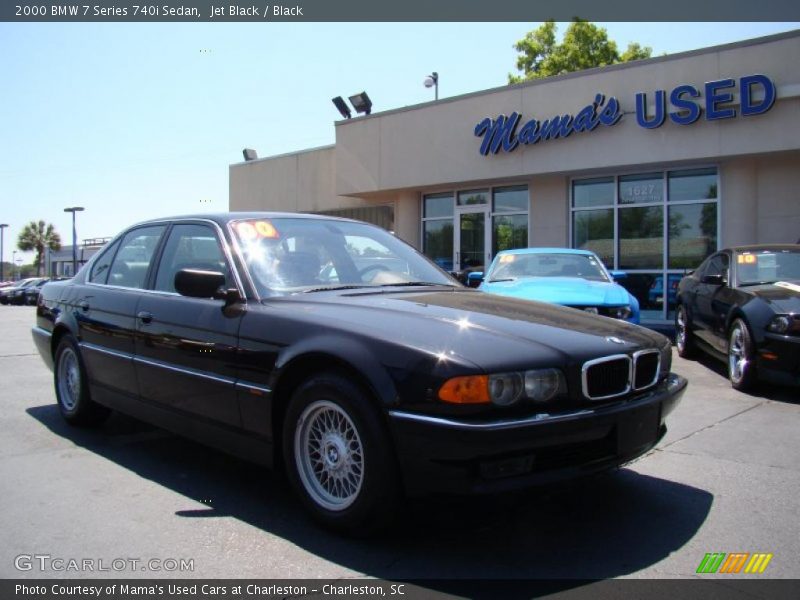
(403, 10)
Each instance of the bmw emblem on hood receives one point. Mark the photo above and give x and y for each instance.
(614, 340)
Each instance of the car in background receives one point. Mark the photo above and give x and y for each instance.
(30, 295)
(15, 293)
(272, 336)
(742, 305)
(655, 295)
(565, 276)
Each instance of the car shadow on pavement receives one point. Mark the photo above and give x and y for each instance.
(595, 529)
(764, 390)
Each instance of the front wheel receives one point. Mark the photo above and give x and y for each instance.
(338, 456)
(684, 339)
(741, 365)
(72, 387)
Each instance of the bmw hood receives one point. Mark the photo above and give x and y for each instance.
(483, 329)
(567, 291)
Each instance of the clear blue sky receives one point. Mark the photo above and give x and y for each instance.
(134, 121)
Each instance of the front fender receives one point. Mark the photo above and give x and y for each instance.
(348, 350)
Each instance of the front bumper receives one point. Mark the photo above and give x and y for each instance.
(778, 359)
(449, 456)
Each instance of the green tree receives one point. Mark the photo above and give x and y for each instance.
(585, 46)
(36, 236)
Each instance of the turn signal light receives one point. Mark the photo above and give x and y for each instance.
(472, 389)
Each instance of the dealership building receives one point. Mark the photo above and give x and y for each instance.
(653, 165)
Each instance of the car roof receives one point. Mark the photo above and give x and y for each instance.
(548, 251)
(757, 247)
(224, 218)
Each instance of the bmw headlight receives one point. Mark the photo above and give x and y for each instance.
(617, 312)
(542, 385)
(505, 389)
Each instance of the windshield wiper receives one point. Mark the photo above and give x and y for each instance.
(416, 284)
(749, 283)
(503, 279)
(328, 288)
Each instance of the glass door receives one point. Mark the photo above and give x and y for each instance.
(472, 239)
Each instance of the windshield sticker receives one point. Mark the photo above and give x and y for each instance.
(746, 259)
(507, 258)
(249, 230)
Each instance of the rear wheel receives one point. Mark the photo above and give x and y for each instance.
(741, 365)
(338, 456)
(72, 387)
(684, 340)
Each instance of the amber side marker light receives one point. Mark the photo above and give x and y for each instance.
(472, 389)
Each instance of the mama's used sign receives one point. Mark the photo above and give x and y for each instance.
(502, 133)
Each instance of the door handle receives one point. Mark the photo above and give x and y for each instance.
(83, 305)
(145, 317)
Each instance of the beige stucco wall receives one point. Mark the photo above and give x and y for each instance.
(299, 182)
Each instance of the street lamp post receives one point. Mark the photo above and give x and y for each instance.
(432, 80)
(14, 265)
(2, 247)
(73, 210)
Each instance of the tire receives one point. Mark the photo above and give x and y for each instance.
(684, 338)
(741, 363)
(72, 387)
(352, 484)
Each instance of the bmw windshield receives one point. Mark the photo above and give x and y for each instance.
(290, 255)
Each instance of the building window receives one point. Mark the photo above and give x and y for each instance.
(509, 218)
(654, 226)
(437, 229)
(481, 221)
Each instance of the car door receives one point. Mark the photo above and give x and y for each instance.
(711, 300)
(186, 347)
(105, 308)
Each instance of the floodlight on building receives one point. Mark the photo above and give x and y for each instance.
(432, 81)
(361, 103)
(250, 154)
(339, 103)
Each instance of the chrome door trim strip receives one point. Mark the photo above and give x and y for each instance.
(245, 385)
(184, 370)
(102, 350)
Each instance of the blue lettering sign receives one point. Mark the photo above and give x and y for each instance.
(500, 132)
(746, 84)
(715, 97)
(690, 111)
(641, 110)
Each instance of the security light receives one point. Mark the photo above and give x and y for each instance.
(343, 108)
(361, 103)
(249, 154)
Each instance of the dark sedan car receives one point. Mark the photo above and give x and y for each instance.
(337, 350)
(15, 294)
(743, 305)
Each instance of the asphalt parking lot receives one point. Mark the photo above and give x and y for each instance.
(725, 479)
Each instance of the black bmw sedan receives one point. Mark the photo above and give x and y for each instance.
(332, 348)
(742, 305)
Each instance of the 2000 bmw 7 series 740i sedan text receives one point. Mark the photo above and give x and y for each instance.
(336, 350)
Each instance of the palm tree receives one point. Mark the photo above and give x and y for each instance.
(37, 236)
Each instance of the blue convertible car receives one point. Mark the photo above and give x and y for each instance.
(575, 278)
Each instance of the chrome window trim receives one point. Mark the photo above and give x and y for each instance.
(184, 370)
(636, 356)
(590, 363)
(497, 425)
(221, 237)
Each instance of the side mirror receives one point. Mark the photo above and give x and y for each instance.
(475, 278)
(713, 279)
(618, 275)
(201, 284)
